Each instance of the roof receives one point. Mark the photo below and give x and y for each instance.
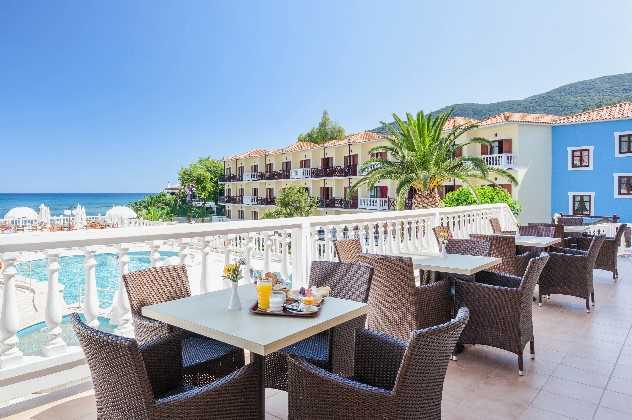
(356, 138)
(620, 111)
(454, 122)
(248, 154)
(519, 117)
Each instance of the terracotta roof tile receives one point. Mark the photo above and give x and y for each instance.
(356, 138)
(248, 154)
(622, 110)
(519, 117)
(454, 122)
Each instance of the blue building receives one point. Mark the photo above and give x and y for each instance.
(592, 163)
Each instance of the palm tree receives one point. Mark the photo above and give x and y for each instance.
(423, 156)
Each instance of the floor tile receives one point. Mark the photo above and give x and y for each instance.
(573, 389)
(604, 413)
(570, 407)
(617, 401)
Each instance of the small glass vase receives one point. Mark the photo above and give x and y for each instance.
(234, 304)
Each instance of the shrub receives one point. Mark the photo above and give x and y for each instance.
(486, 194)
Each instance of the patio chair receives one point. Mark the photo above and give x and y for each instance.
(348, 249)
(497, 229)
(442, 233)
(393, 379)
(607, 258)
(570, 220)
(570, 272)
(500, 308)
(333, 349)
(537, 230)
(467, 246)
(504, 247)
(145, 381)
(396, 305)
(203, 359)
(558, 231)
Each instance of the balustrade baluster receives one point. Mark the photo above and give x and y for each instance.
(121, 314)
(204, 266)
(284, 255)
(267, 243)
(91, 300)
(248, 258)
(55, 343)
(182, 251)
(10, 354)
(154, 255)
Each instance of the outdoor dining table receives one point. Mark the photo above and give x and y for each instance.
(576, 228)
(534, 241)
(453, 263)
(261, 335)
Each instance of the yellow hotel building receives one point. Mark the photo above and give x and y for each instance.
(521, 143)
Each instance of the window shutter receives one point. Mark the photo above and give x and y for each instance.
(507, 146)
(484, 149)
(459, 152)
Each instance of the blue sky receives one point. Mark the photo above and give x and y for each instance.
(116, 96)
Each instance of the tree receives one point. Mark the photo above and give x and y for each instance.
(203, 175)
(423, 156)
(325, 131)
(293, 201)
(161, 206)
(485, 194)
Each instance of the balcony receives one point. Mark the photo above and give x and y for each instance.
(365, 170)
(335, 171)
(300, 173)
(230, 199)
(229, 178)
(249, 200)
(251, 176)
(367, 203)
(337, 203)
(503, 160)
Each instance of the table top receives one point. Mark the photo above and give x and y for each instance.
(576, 229)
(207, 315)
(453, 263)
(537, 241)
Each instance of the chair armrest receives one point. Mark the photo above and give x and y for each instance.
(497, 279)
(343, 345)
(163, 363)
(378, 358)
(317, 393)
(234, 393)
(484, 300)
(147, 330)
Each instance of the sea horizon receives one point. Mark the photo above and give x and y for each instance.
(95, 203)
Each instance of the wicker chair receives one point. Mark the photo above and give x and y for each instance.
(537, 230)
(497, 229)
(607, 258)
(504, 247)
(396, 305)
(348, 249)
(500, 308)
(570, 220)
(570, 272)
(442, 233)
(467, 247)
(145, 381)
(558, 231)
(203, 359)
(393, 379)
(333, 349)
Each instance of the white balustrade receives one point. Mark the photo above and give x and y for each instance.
(9, 316)
(502, 160)
(120, 313)
(370, 203)
(300, 173)
(251, 176)
(249, 200)
(55, 342)
(368, 168)
(90, 300)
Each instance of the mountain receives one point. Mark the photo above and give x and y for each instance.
(564, 100)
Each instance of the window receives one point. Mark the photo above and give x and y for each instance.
(497, 147)
(580, 158)
(228, 214)
(241, 192)
(240, 215)
(240, 171)
(581, 203)
(623, 144)
(623, 185)
(327, 162)
(254, 168)
(379, 155)
(269, 168)
(306, 163)
(255, 192)
(351, 160)
(286, 166)
(269, 193)
(255, 215)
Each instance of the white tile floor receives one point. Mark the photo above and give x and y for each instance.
(582, 370)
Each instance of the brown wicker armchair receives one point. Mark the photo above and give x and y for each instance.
(570, 272)
(133, 381)
(472, 246)
(504, 247)
(347, 249)
(333, 349)
(393, 379)
(442, 233)
(570, 220)
(537, 230)
(203, 359)
(558, 231)
(607, 258)
(500, 308)
(497, 229)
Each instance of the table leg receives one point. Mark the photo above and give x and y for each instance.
(259, 362)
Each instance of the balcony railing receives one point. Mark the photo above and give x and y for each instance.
(337, 203)
(368, 203)
(300, 173)
(249, 200)
(334, 171)
(365, 170)
(503, 160)
(230, 199)
(230, 178)
(251, 176)
(284, 245)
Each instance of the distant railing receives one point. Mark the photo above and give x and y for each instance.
(503, 160)
(251, 176)
(368, 203)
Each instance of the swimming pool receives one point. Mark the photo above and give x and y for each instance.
(72, 273)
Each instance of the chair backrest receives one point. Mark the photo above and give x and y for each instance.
(594, 248)
(570, 221)
(536, 230)
(156, 285)
(121, 384)
(347, 280)
(620, 231)
(496, 228)
(467, 247)
(348, 249)
(392, 295)
(419, 384)
(558, 230)
(503, 247)
(532, 275)
(442, 233)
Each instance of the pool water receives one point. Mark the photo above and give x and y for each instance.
(72, 273)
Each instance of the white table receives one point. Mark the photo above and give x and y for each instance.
(537, 241)
(453, 263)
(260, 334)
(576, 229)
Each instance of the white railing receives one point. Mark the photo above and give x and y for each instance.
(300, 173)
(287, 246)
(368, 203)
(368, 168)
(503, 160)
(251, 176)
(249, 200)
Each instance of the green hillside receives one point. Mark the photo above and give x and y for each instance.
(564, 100)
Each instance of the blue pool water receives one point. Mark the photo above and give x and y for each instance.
(72, 273)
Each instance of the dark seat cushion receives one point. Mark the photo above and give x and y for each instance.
(315, 349)
(197, 349)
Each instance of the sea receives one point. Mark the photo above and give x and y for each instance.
(94, 203)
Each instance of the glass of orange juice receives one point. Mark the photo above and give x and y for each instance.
(264, 290)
